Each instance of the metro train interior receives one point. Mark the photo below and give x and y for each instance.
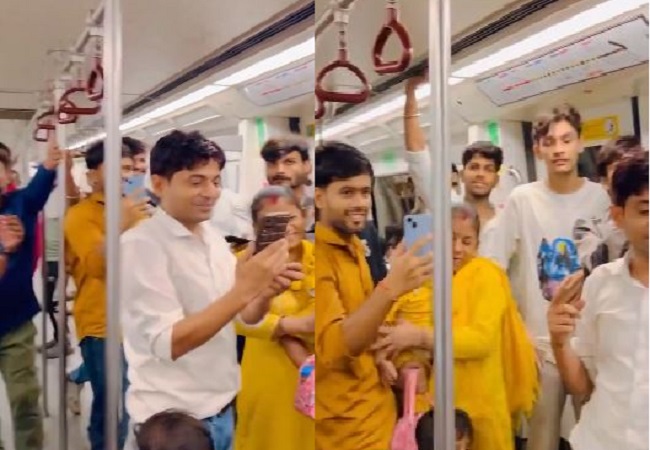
(246, 72)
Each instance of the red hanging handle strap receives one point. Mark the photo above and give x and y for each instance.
(392, 25)
(323, 95)
(320, 109)
(95, 78)
(43, 124)
(67, 119)
(68, 107)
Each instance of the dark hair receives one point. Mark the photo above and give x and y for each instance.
(95, 155)
(467, 211)
(485, 150)
(614, 150)
(270, 192)
(424, 429)
(5, 149)
(173, 430)
(630, 177)
(179, 151)
(337, 161)
(565, 113)
(135, 146)
(454, 168)
(276, 148)
(5, 159)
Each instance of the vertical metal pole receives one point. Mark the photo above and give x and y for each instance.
(439, 140)
(113, 189)
(44, 321)
(62, 316)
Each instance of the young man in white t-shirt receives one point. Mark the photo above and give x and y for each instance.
(482, 162)
(533, 240)
(609, 358)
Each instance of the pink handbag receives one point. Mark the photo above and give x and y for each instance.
(404, 433)
(305, 395)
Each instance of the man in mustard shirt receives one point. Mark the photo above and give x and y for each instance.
(85, 234)
(354, 410)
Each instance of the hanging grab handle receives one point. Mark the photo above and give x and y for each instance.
(323, 95)
(67, 119)
(320, 109)
(67, 106)
(392, 25)
(95, 77)
(43, 124)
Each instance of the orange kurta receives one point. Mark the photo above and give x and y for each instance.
(354, 411)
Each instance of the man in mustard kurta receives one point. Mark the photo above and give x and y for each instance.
(85, 233)
(354, 410)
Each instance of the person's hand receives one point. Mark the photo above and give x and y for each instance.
(387, 371)
(291, 272)
(414, 82)
(395, 339)
(134, 209)
(407, 270)
(265, 274)
(12, 233)
(54, 154)
(565, 309)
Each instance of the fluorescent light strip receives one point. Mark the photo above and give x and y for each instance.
(549, 36)
(284, 58)
(596, 15)
(205, 119)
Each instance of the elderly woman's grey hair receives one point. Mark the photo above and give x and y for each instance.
(466, 211)
(270, 192)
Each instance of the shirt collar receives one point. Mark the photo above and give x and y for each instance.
(173, 225)
(330, 236)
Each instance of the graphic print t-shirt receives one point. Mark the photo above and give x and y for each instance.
(533, 239)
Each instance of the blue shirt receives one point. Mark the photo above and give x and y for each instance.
(18, 303)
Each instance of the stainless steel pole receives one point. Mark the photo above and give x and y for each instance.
(44, 321)
(62, 316)
(439, 69)
(113, 188)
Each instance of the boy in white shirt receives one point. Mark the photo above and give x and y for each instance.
(609, 358)
(533, 239)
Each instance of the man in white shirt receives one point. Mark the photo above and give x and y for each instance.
(180, 303)
(482, 162)
(533, 239)
(609, 357)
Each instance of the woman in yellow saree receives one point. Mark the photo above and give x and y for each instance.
(266, 416)
(495, 375)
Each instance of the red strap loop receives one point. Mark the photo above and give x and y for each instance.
(43, 124)
(95, 76)
(320, 109)
(68, 107)
(342, 97)
(392, 25)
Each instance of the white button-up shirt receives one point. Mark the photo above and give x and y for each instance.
(169, 273)
(612, 340)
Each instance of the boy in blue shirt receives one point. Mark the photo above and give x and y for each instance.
(18, 303)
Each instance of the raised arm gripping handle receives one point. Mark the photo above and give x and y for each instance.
(95, 77)
(68, 107)
(392, 25)
(43, 124)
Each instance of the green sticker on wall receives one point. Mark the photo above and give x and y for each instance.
(389, 157)
(493, 132)
(261, 130)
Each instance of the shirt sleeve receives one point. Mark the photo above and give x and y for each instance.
(39, 189)
(331, 347)
(84, 236)
(151, 306)
(480, 336)
(500, 243)
(419, 166)
(416, 309)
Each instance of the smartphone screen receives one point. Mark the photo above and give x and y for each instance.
(416, 227)
(134, 184)
(273, 228)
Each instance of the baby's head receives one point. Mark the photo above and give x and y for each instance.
(464, 431)
(173, 430)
